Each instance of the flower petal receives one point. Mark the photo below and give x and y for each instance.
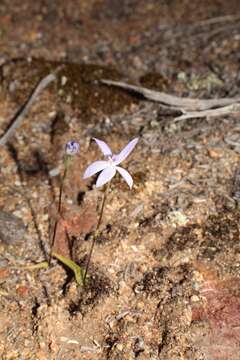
(95, 168)
(104, 147)
(125, 174)
(125, 152)
(106, 175)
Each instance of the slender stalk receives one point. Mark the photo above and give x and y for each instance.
(96, 232)
(53, 241)
(61, 189)
(59, 205)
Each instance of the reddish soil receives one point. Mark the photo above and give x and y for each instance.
(164, 280)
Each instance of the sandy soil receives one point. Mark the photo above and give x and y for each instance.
(164, 278)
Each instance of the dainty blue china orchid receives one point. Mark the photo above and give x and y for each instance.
(72, 148)
(109, 167)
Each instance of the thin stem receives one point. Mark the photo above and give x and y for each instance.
(59, 205)
(61, 190)
(96, 232)
(53, 240)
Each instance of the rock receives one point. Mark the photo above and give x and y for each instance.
(12, 228)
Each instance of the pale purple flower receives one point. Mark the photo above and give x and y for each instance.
(109, 166)
(72, 148)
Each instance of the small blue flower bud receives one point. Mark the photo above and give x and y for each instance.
(72, 148)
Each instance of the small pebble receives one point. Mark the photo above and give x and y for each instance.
(195, 298)
(54, 172)
(63, 80)
(12, 228)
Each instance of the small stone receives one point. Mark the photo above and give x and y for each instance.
(140, 305)
(214, 154)
(12, 228)
(63, 80)
(195, 298)
(54, 172)
(176, 217)
(22, 290)
(4, 273)
(52, 114)
(45, 217)
(69, 99)
(119, 347)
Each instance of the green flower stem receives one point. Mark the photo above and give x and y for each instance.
(66, 163)
(38, 266)
(96, 232)
(72, 265)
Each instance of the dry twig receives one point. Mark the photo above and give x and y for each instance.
(225, 110)
(18, 117)
(189, 107)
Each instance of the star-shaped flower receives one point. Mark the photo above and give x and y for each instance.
(109, 167)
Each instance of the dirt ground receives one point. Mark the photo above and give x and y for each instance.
(164, 280)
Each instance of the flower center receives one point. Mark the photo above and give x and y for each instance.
(111, 160)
